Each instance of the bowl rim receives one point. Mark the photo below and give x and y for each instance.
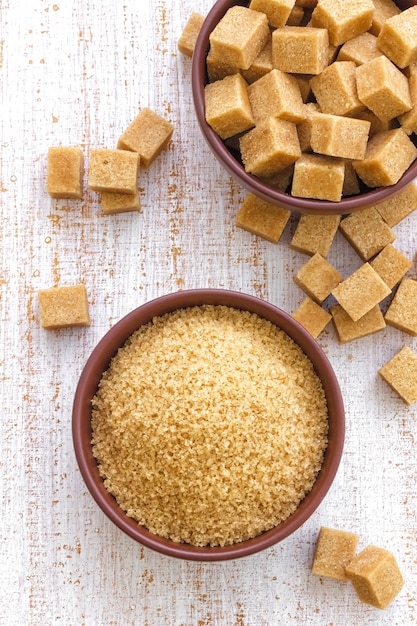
(236, 170)
(99, 360)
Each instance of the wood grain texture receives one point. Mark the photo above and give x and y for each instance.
(77, 73)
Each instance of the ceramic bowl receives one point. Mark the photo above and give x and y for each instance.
(231, 162)
(98, 362)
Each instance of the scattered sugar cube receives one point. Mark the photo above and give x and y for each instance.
(367, 232)
(375, 576)
(63, 306)
(361, 291)
(262, 218)
(148, 135)
(315, 233)
(65, 172)
(113, 170)
(312, 316)
(401, 313)
(399, 206)
(348, 330)
(317, 278)
(113, 203)
(334, 550)
(189, 35)
(391, 265)
(400, 373)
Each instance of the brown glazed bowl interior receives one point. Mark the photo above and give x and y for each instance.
(98, 363)
(231, 162)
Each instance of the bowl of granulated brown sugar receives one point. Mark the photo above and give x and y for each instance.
(208, 424)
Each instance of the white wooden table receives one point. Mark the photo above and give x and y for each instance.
(78, 73)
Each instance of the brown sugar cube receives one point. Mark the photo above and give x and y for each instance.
(63, 306)
(113, 170)
(65, 172)
(367, 232)
(262, 218)
(351, 185)
(189, 35)
(377, 125)
(388, 155)
(261, 65)
(270, 147)
(344, 19)
(399, 206)
(402, 312)
(315, 234)
(334, 550)
(228, 110)
(317, 176)
(300, 49)
(239, 36)
(217, 69)
(400, 373)
(112, 203)
(312, 317)
(383, 88)
(384, 9)
(348, 330)
(375, 576)
(398, 37)
(317, 278)
(304, 127)
(277, 11)
(338, 136)
(276, 94)
(335, 89)
(360, 49)
(361, 291)
(148, 135)
(391, 265)
(408, 120)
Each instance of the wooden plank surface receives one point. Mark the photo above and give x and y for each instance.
(78, 73)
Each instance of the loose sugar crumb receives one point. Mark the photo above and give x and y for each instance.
(209, 426)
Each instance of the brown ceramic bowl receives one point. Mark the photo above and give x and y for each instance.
(231, 161)
(98, 363)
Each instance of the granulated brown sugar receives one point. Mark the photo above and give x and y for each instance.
(209, 426)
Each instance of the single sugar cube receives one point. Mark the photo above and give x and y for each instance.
(344, 19)
(391, 265)
(312, 317)
(270, 147)
(63, 306)
(317, 278)
(401, 313)
(361, 291)
(113, 170)
(338, 136)
(383, 88)
(408, 120)
(261, 66)
(334, 550)
(276, 94)
(367, 232)
(228, 110)
(315, 233)
(239, 36)
(277, 11)
(384, 9)
(400, 373)
(318, 176)
(113, 203)
(188, 38)
(398, 37)
(348, 330)
(360, 49)
(335, 89)
(65, 172)
(388, 155)
(262, 218)
(375, 576)
(148, 135)
(217, 69)
(398, 206)
(300, 49)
